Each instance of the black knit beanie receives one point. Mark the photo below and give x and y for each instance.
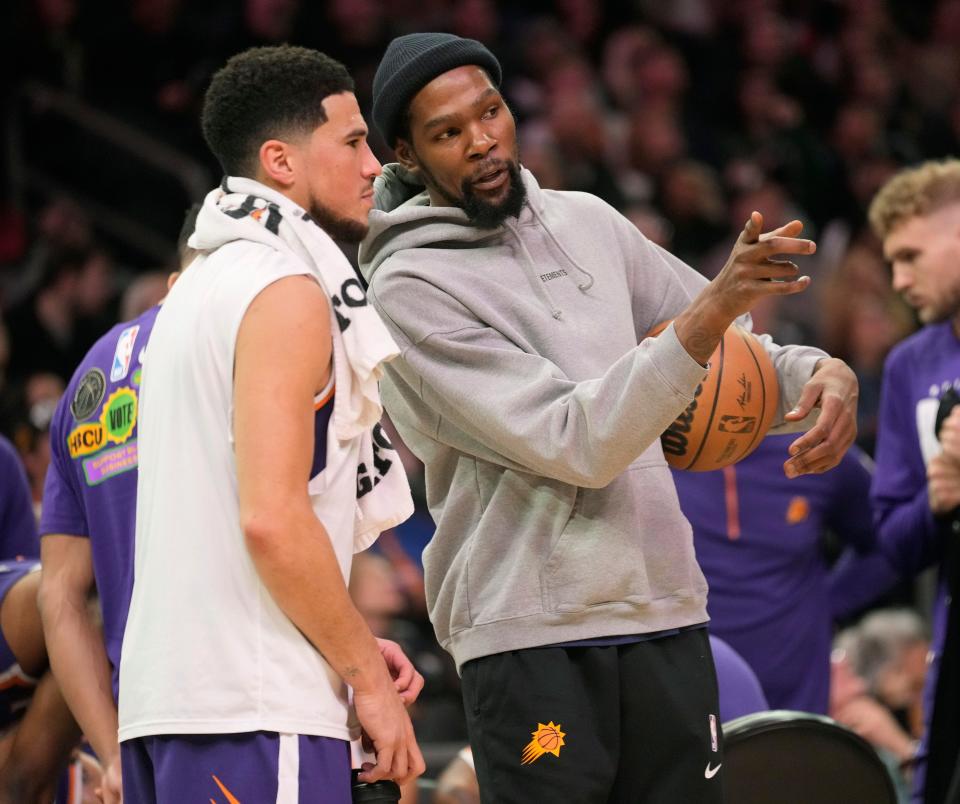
(413, 61)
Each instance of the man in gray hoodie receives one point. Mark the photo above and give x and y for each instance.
(562, 576)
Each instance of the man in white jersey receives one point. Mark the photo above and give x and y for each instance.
(263, 469)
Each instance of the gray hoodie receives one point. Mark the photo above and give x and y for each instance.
(526, 387)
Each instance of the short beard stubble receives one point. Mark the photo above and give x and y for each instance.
(484, 214)
(338, 227)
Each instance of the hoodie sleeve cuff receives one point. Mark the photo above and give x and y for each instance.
(675, 364)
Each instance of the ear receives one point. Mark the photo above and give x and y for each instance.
(406, 156)
(277, 162)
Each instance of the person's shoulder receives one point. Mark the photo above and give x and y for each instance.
(100, 355)
(8, 453)
(580, 202)
(927, 341)
(247, 255)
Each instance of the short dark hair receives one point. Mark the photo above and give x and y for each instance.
(267, 92)
(184, 252)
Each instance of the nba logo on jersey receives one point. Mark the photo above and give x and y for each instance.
(124, 353)
(714, 745)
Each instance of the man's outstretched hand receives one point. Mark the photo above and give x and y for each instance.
(834, 389)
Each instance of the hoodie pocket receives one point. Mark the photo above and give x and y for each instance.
(625, 543)
(522, 516)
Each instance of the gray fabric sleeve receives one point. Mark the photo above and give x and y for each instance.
(517, 409)
(794, 364)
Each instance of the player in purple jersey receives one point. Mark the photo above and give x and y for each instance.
(758, 538)
(916, 488)
(87, 531)
(87, 525)
(18, 528)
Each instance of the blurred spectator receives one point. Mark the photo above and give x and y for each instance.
(42, 328)
(878, 673)
(61, 226)
(888, 650)
(31, 429)
(51, 45)
(692, 200)
(143, 293)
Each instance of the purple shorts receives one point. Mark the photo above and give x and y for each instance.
(251, 768)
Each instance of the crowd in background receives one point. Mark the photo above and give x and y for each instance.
(684, 115)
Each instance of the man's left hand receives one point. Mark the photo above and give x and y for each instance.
(834, 389)
(406, 679)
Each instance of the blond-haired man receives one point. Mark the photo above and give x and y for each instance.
(916, 488)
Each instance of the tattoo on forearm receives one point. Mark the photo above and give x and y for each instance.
(701, 342)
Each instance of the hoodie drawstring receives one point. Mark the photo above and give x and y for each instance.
(582, 286)
(533, 277)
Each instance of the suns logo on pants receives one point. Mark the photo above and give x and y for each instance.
(547, 739)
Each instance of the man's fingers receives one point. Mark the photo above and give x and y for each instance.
(752, 228)
(402, 676)
(773, 269)
(380, 770)
(791, 229)
(827, 422)
(415, 765)
(808, 398)
(824, 454)
(410, 692)
(784, 245)
(815, 460)
(780, 287)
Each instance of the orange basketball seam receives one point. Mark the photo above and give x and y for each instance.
(763, 393)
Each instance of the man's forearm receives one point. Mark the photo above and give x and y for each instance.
(297, 564)
(80, 664)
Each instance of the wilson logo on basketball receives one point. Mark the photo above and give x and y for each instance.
(547, 739)
(732, 408)
(674, 438)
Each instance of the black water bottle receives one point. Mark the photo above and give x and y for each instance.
(386, 791)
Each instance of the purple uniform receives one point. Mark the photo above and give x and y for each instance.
(916, 373)
(18, 540)
(18, 528)
(758, 540)
(16, 687)
(91, 484)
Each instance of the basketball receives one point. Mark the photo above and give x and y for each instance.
(732, 408)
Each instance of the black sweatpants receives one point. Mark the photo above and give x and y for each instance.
(626, 724)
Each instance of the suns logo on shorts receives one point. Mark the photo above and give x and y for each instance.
(547, 739)
(231, 799)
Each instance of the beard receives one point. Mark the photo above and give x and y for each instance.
(339, 228)
(482, 213)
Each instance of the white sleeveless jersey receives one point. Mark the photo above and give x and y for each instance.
(206, 648)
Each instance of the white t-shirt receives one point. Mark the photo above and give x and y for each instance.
(206, 649)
